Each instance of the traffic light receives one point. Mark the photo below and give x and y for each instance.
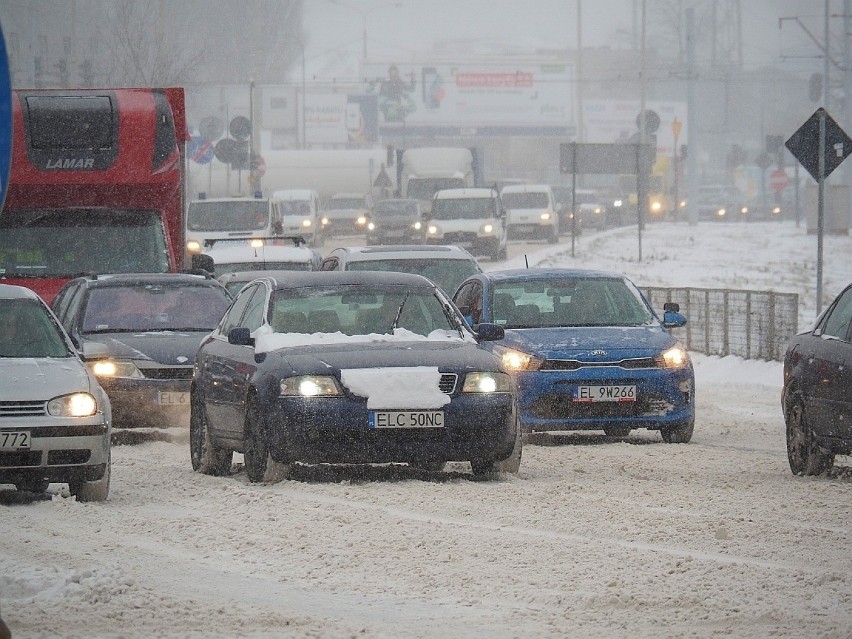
(815, 87)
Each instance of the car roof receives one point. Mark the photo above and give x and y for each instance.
(525, 188)
(234, 198)
(301, 279)
(521, 274)
(293, 194)
(10, 291)
(398, 251)
(471, 192)
(225, 254)
(349, 195)
(143, 279)
(248, 276)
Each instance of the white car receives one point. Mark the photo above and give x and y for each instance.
(296, 212)
(346, 214)
(531, 211)
(262, 254)
(56, 418)
(472, 218)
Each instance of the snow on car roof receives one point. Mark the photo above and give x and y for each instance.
(525, 188)
(266, 340)
(472, 192)
(227, 254)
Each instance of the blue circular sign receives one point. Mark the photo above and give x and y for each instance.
(5, 119)
(200, 150)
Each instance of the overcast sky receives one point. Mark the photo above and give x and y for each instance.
(408, 30)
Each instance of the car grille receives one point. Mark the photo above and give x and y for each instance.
(171, 372)
(448, 383)
(23, 409)
(573, 364)
(459, 238)
(554, 406)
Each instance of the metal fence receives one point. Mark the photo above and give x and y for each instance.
(750, 324)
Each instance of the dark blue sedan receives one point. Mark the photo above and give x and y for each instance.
(587, 351)
(349, 367)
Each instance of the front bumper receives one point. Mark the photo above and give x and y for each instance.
(148, 403)
(336, 430)
(665, 398)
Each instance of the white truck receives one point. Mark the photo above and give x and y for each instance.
(426, 170)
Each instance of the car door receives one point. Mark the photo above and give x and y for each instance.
(829, 362)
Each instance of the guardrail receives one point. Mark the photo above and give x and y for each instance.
(749, 324)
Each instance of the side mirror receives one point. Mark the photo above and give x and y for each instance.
(671, 306)
(203, 261)
(94, 350)
(240, 336)
(673, 319)
(487, 332)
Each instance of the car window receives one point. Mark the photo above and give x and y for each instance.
(464, 208)
(235, 313)
(253, 317)
(469, 301)
(329, 264)
(837, 322)
(29, 330)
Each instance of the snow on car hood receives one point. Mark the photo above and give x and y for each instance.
(578, 342)
(409, 387)
(266, 340)
(30, 378)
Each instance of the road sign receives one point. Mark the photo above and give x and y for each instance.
(652, 121)
(778, 180)
(605, 158)
(5, 119)
(211, 128)
(200, 150)
(382, 180)
(764, 161)
(240, 128)
(225, 150)
(804, 144)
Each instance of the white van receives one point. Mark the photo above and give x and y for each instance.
(296, 212)
(226, 218)
(531, 211)
(472, 218)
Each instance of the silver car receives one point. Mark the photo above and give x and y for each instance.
(55, 419)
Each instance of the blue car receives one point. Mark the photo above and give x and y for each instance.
(351, 368)
(587, 351)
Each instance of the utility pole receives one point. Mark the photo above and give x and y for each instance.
(692, 114)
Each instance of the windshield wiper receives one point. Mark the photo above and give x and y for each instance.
(399, 312)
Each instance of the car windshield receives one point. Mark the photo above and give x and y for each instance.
(464, 208)
(92, 241)
(294, 207)
(244, 215)
(447, 274)
(391, 209)
(346, 203)
(425, 188)
(525, 200)
(359, 310)
(153, 307)
(28, 330)
(569, 302)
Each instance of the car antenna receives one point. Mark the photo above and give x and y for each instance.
(526, 261)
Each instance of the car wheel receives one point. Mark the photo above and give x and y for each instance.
(260, 466)
(803, 453)
(205, 456)
(483, 467)
(32, 485)
(678, 434)
(619, 431)
(512, 464)
(97, 490)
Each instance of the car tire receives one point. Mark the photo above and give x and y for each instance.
(260, 466)
(619, 431)
(205, 456)
(32, 485)
(483, 467)
(512, 464)
(803, 453)
(680, 434)
(97, 490)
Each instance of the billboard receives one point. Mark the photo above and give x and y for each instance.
(474, 95)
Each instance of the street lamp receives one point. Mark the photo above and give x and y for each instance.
(364, 15)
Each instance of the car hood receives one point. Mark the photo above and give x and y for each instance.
(27, 379)
(395, 218)
(447, 356)
(168, 348)
(590, 343)
(343, 214)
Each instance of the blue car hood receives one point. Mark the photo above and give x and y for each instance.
(163, 347)
(579, 343)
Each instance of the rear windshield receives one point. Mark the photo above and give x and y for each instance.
(250, 215)
(447, 274)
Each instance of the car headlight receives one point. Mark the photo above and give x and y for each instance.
(656, 206)
(306, 223)
(361, 221)
(744, 210)
(598, 211)
(486, 229)
(617, 203)
(720, 212)
(74, 405)
(487, 383)
(418, 226)
(116, 368)
(309, 386)
(545, 216)
(516, 360)
(433, 230)
(193, 246)
(675, 357)
(256, 243)
(776, 210)
(324, 221)
(371, 226)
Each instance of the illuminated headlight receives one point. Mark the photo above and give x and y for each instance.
(675, 357)
(656, 206)
(418, 226)
(113, 368)
(433, 230)
(306, 223)
(324, 221)
(776, 210)
(193, 246)
(487, 383)
(256, 243)
(617, 203)
(545, 216)
(683, 204)
(487, 229)
(361, 221)
(309, 386)
(598, 211)
(75, 405)
(744, 210)
(720, 212)
(371, 226)
(515, 360)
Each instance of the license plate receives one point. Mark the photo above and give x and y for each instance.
(169, 399)
(14, 439)
(611, 393)
(407, 419)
